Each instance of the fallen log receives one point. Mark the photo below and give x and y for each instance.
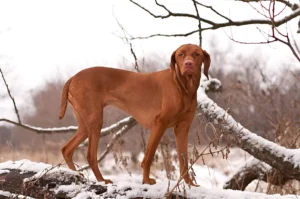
(278, 157)
(255, 170)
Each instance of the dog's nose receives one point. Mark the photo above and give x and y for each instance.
(188, 63)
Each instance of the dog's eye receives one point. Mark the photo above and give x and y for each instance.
(180, 54)
(197, 54)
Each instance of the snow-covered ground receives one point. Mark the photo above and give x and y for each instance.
(210, 181)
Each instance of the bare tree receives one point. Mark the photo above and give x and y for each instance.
(272, 17)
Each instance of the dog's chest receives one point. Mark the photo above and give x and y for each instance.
(183, 105)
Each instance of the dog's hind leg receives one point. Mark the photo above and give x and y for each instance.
(80, 135)
(94, 122)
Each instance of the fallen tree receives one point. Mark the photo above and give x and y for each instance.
(287, 161)
(255, 170)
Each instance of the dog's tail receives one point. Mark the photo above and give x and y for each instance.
(64, 99)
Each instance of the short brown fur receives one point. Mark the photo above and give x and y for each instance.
(157, 100)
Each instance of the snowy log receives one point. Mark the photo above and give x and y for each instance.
(278, 157)
(255, 170)
(39, 180)
(57, 185)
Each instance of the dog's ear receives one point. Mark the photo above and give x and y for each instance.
(206, 62)
(173, 61)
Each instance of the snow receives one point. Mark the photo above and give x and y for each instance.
(210, 107)
(131, 186)
(24, 165)
(11, 195)
(40, 168)
(71, 189)
(5, 193)
(69, 128)
(4, 171)
(137, 189)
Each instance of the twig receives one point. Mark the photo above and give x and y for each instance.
(125, 38)
(293, 6)
(189, 168)
(11, 97)
(275, 32)
(210, 7)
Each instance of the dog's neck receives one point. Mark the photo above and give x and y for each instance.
(188, 84)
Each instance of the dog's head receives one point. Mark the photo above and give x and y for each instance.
(189, 59)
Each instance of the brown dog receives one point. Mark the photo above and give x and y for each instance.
(157, 100)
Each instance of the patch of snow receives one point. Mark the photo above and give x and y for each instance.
(69, 128)
(55, 171)
(40, 168)
(71, 189)
(4, 171)
(137, 189)
(24, 165)
(12, 195)
(5, 193)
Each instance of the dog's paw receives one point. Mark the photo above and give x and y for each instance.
(191, 183)
(108, 181)
(149, 181)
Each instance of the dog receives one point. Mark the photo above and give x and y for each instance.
(157, 100)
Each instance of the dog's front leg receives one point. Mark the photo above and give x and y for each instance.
(158, 130)
(181, 131)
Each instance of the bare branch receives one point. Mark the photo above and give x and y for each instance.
(166, 35)
(11, 97)
(171, 14)
(104, 131)
(292, 49)
(136, 65)
(275, 32)
(125, 38)
(199, 23)
(277, 23)
(213, 25)
(41, 130)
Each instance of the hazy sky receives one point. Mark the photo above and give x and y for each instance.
(43, 40)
